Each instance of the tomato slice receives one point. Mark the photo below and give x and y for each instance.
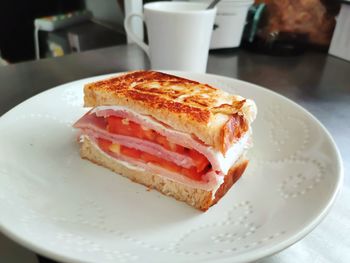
(133, 153)
(149, 158)
(126, 127)
(162, 140)
(122, 126)
(104, 144)
(199, 159)
(191, 172)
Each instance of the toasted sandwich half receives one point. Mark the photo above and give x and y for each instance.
(185, 139)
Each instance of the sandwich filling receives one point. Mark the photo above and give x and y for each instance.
(153, 146)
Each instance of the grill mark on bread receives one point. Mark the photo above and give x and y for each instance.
(162, 92)
(157, 102)
(228, 109)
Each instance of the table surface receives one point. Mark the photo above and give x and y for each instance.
(318, 82)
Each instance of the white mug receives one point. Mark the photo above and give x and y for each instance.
(179, 34)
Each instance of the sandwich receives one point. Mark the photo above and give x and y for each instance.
(186, 139)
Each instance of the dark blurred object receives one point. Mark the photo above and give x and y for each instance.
(288, 27)
(276, 43)
(90, 35)
(17, 27)
(315, 18)
(45, 260)
(254, 18)
(279, 44)
(81, 37)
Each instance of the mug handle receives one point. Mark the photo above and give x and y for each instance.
(132, 35)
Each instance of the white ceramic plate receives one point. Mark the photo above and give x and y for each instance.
(72, 210)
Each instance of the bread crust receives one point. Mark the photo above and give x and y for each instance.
(197, 198)
(185, 105)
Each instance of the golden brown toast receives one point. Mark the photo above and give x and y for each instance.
(213, 116)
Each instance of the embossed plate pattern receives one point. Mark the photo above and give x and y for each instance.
(72, 210)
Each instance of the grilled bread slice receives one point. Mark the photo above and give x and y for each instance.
(213, 116)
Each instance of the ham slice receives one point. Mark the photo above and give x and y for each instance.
(93, 125)
(211, 180)
(142, 145)
(218, 161)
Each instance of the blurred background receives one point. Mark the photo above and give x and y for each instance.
(276, 27)
(17, 26)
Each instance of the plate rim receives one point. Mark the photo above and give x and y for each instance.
(255, 254)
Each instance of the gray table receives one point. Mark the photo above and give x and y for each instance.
(318, 82)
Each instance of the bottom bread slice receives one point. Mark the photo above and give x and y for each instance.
(200, 199)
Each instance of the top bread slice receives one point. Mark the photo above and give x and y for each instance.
(198, 109)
